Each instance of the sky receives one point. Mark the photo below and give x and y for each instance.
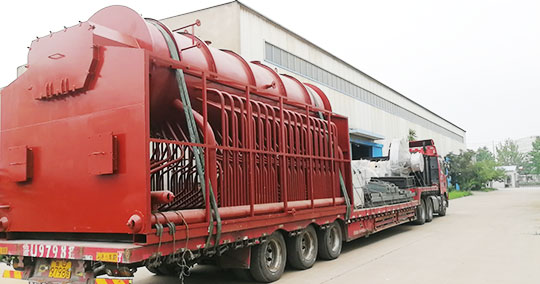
(475, 63)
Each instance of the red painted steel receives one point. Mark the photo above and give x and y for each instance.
(161, 197)
(427, 148)
(64, 193)
(197, 215)
(101, 97)
(102, 146)
(364, 222)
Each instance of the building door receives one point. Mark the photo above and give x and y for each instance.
(365, 149)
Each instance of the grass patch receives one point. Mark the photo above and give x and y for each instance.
(529, 183)
(487, 189)
(458, 194)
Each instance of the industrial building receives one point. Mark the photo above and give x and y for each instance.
(377, 113)
(525, 144)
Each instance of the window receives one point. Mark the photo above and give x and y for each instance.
(341, 85)
(268, 52)
(304, 65)
(283, 59)
(298, 65)
(315, 71)
(290, 61)
(276, 55)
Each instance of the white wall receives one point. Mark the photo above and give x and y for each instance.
(256, 30)
(372, 119)
(525, 144)
(219, 24)
(235, 27)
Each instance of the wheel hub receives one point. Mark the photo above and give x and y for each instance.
(307, 246)
(333, 239)
(273, 256)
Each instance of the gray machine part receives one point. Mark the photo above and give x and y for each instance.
(379, 193)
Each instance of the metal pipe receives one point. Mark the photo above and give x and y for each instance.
(161, 197)
(198, 215)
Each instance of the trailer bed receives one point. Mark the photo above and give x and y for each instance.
(362, 222)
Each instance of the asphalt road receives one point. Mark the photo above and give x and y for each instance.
(486, 238)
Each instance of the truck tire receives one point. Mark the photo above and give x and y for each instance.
(429, 209)
(268, 259)
(302, 249)
(420, 213)
(442, 211)
(330, 242)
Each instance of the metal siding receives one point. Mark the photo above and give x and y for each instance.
(256, 31)
(346, 87)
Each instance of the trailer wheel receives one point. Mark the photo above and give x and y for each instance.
(442, 211)
(429, 210)
(421, 213)
(330, 242)
(302, 249)
(268, 259)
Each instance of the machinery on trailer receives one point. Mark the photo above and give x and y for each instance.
(412, 170)
(126, 144)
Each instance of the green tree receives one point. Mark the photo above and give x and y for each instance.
(534, 157)
(485, 171)
(412, 135)
(508, 154)
(472, 170)
(484, 154)
(459, 166)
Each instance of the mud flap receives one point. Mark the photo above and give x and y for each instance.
(236, 258)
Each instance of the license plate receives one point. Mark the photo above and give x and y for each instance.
(60, 269)
(107, 256)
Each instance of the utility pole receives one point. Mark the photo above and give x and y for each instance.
(494, 152)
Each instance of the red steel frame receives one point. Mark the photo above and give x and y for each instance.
(251, 220)
(238, 230)
(244, 225)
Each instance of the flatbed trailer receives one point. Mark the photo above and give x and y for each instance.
(248, 169)
(362, 223)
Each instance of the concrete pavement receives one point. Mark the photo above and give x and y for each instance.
(489, 237)
(485, 238)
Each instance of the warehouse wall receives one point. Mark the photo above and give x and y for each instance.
(256, 31)
(369, 104)
(219, 24)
